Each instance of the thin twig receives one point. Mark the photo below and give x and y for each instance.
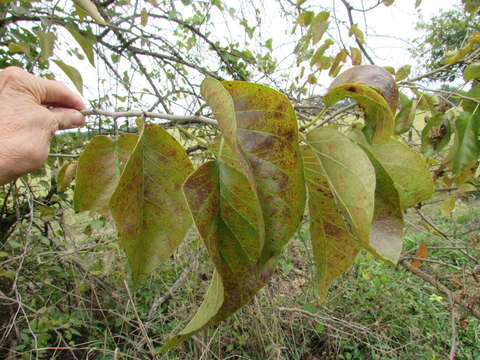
(176, 118)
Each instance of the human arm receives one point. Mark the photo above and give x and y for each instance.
(31, 110)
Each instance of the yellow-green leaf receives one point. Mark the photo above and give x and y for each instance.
(148, 205)
(403, 72)
(72, 73)
(356, 56)
(85, 42)
(46, 40)
(448, 205)
(65, 176)
(355, 31)
(98, 171)
(472, 71)
(90, 8)
(144, 17)
(334, 248)
(318, 26)
(351, 177)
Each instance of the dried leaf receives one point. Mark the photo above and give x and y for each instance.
(422, 253)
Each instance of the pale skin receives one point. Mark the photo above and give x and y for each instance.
(32, 109)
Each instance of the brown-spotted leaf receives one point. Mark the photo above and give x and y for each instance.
(351, 177)
(374, 76)
(98, 171)
(218, 196)
(334, 249)
(375, 91)
(259, 169)
(148, 205)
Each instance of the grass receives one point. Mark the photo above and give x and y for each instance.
(72, 287)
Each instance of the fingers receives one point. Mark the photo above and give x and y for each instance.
(44, 91)
(67, 118)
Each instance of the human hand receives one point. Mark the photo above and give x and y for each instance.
(31, 110)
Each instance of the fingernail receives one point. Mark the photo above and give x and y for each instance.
(77, 118)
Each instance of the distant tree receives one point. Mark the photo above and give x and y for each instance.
(444, 33)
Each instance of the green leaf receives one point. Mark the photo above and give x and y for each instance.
(436, 134)
(408, 170)
(418, 3)
(305, 18)
(318, 55)
(378, 114)
(405, 117)
(255, 189)
(471, 72)
(319, 26)
(403, 72)
(466, 148)
(85, 42)
(334, 248)
(351, 177)
(98, 171)
(47, 43)
(90, 8)
(65, 176)
(472, 106)
(387, 225)
(356, 56)
(144, 17)
(147, 195)
(355, 30)
(388, 2)
(72, 73)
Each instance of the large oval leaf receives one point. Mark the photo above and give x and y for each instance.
(334, 248)
(98, 171)
(258, 167)
(148, 205)
(351, 177)
(466, 148)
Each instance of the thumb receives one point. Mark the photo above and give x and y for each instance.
(67, 118)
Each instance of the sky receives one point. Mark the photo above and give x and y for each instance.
(389, 32)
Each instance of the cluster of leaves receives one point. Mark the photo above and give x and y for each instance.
(443, 35)
(249, 201)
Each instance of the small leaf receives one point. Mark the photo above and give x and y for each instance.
(90, 8)
(65, 176)
(436, 134)
(466, 148)
(98, 171)
(85, 43)
(340, 57)
(465, 50)
(403, 72)
(147, 205)
(422, 253)
(318, 26)
(144, 17)
(465, 188)
(318, 55)
(472, 71)
(405, 117)
(418, 3)
(356, 56)
(305, 18)
(388, 2)
(448, 205)
(72, 73)
(47, 43)
(355, 30)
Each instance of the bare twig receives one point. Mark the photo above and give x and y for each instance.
(439, 286)
(176, 118)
